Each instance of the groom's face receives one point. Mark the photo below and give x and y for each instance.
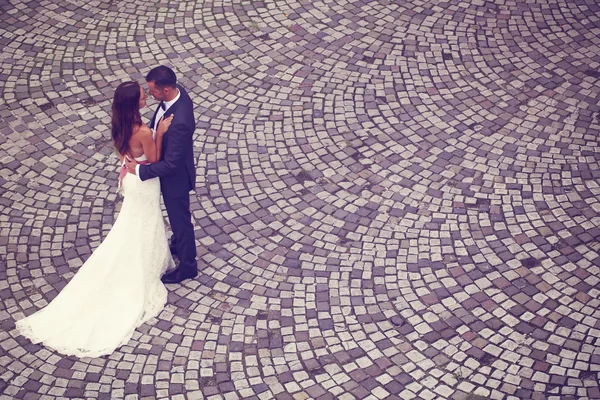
(156, 92)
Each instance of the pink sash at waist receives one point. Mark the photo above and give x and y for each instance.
(123, 171)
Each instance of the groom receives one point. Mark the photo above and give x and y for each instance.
(175, 169)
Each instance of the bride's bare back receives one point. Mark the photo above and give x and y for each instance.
(136, 149)
(142, 142)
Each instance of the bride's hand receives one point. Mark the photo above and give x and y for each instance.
(130, 164)
(163, 124)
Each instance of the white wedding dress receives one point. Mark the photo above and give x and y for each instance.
(118, 288)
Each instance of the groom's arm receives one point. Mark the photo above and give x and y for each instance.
(180, 136)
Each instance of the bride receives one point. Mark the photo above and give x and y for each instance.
(118, 288)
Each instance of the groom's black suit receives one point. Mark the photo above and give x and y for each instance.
(177, 177)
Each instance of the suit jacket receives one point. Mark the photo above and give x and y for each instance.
(176, 166)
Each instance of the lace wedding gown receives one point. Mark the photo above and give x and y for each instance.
(117, 289)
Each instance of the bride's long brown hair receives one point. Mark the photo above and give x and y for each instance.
(125, 114)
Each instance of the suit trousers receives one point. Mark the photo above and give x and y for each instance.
(180, 217)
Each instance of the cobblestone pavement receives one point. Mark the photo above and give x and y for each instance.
(396, 199)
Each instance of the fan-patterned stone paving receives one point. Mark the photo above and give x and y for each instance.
(395, 199)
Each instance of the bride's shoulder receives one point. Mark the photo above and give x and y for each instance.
(143, 129)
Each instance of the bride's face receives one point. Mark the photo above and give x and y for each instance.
(143, 97)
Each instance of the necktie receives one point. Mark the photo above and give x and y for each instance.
(163, 106)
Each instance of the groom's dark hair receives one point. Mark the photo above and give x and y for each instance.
(162, 77)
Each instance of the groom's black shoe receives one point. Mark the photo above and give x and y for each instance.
(178, 275)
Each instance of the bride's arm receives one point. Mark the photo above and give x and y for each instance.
(145, 137)
(152, 149)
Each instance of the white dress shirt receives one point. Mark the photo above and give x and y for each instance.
(159, 115)
(162, 112)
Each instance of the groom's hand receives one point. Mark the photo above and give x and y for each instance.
(130, 164)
